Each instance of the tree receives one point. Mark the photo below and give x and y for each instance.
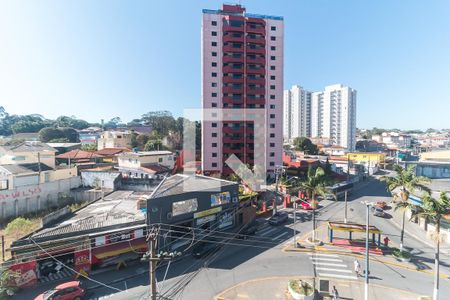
(304, 144)
(134, 142)
(73, 122)
(154, 142)
(432, 210)
(7, 278)
(89, 147)
(161, 121)
(141, 140)
(407, 181)
(49, 134)
(314, 186)
(19, 227)
(113, 123)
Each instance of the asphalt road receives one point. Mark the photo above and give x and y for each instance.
(261, 256)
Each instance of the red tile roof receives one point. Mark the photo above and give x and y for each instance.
(78, 154)
(111, 151)
(154, 168)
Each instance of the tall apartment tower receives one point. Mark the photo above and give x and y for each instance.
(296, 113)
(242, 68)
(333, 116)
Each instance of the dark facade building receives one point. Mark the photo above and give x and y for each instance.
(200, 202)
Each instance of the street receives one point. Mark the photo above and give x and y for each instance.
(263, 256)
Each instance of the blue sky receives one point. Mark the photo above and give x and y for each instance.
(101, 59)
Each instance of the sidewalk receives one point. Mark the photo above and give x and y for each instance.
(322, 234)
(276, 288)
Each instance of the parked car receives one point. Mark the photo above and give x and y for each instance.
(204, 248)
(71, 290)
(249, 229)
(306, 205)
(278, 218)
(378, 212)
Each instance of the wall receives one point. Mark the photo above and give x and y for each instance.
(32, 198)
(91, 179)
(433, 170)
(46, 157)
(134, 161)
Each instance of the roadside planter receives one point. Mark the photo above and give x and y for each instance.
(404, 256)
(301, 290)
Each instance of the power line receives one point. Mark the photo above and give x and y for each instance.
(78, 273)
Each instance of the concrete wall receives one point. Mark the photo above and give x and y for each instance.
(106, 179)
(32, 198)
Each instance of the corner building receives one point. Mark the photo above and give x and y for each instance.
(242, 68)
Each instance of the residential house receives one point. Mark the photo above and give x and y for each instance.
(90, 135)
(110, 154)
(28, 152)
(114, 139)
(64, 147)
(146, 164)
(78, 157)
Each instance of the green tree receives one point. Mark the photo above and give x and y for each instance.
(73, 122)
(161, 121)
(314, 186)
(49, 134)
(89, 147)
(141, 140)
(304, 144)
(432, 210)
(19, 227)
(154, 143)
(134, 142)
(7, 277)
(407, 182)
(328, 170)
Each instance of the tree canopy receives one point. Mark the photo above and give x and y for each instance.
(304, 144)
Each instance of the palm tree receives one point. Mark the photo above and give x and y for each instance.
(407, 181)
(314, 186)
(432, 210)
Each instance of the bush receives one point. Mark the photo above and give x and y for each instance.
(301, 287)
(19, 227)
(401, 254)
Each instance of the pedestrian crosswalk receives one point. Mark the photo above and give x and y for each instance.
(64, 273)
(331, 265)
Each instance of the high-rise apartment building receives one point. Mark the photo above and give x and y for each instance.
(333, 115)
(296, 113)
(327, 116)
(242, 68)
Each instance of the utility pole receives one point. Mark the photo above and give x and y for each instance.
(366, 285)
(295, 221)
(154, 258)
(345, 211)
(278, 171)
(3, 248)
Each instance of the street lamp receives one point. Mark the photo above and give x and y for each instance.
(366, 284)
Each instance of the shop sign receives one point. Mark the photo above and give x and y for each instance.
(115, 237)
(207, 212)
(206, 219)
(225, 220)
(82, 260)
(26, 274)
(220, 199)
(184, 207)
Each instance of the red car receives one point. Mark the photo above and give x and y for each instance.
(71, 290)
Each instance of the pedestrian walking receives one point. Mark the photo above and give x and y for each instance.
(386, 241)
(357, 267)
(335, 293)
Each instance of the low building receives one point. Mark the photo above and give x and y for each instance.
(334, 150)
(110, 154)
(107, 232)
(372, 162)
(90, 135)
(438, 156)
(146, 164)
(393, 140)
(27, 153)
(64, 147)
(196, 201)
(78, 156)
(114, 139)
(27, 188)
